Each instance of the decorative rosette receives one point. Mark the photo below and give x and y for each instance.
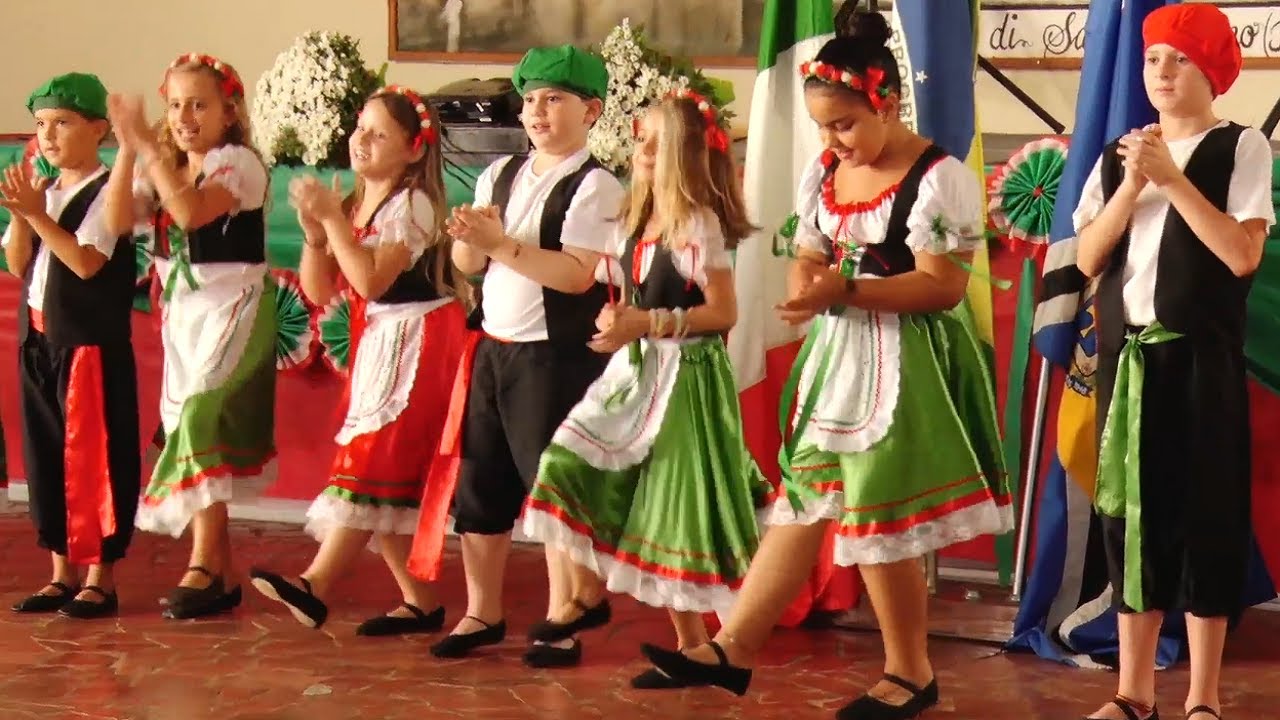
(1022, 193)
(333, 327)
(295, 338)
(31, 154)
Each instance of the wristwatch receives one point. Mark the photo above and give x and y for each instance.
(850, 286)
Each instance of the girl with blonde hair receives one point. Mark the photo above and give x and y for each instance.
(647, 488)
(202, 186)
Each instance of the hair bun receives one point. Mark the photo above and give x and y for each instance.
(867, 27)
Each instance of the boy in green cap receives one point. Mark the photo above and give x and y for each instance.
(75, 354)
(531, 242)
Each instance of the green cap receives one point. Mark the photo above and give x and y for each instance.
(80, 92)
(565, 67)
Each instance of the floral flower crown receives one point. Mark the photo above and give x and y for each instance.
(717, 138)
(426, 128)
(870, 83)
(231, 85)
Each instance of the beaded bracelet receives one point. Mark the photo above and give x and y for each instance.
(681, 323)
(658, 319)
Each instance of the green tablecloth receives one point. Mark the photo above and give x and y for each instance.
(284, 237)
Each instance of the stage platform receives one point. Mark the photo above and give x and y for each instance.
(259, 664)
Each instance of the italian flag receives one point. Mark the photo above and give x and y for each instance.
(780, 141)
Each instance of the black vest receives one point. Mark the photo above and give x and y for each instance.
(415, 284)
(663, 286)
(83, 311)
(238, 238)
(1196, 293)
(571, 319)
(892, 256)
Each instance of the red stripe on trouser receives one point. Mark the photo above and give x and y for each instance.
(90, 506)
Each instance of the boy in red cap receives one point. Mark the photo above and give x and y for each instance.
(1172, 221)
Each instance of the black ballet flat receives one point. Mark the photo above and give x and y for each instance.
(655, 679)
(186, 603)
(591, 618)
(677, 666)
(1131, 711)
(91, 609)
(40, 603)
(1203, 709)
(421, 622)
(305, 607)
(872, 708)
(549, 656)
(461, 645)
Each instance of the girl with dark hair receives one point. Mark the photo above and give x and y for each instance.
(886, 223)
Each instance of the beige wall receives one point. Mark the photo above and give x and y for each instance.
(129, 43)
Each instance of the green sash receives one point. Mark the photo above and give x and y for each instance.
(1118, 492)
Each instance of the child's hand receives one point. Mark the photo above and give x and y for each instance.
(825, 288)
(22, 191)
(127, 114)
(480, 228)
(622, 324)
(313, 199)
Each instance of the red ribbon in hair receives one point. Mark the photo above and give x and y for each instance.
(870, 83)
(229, 79)
(717, 138)
(426, 127)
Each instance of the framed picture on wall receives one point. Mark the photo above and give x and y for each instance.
(1012, 34)
(716, 33)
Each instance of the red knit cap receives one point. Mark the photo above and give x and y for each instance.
(1201, 32)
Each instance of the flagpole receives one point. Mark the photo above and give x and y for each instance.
(1030, 480)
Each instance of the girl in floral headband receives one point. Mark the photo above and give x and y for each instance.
(199, 186)
(890, 364)
(647, 488)
(385, 241)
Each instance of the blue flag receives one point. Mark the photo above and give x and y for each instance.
(1112, 101)
(938, 70)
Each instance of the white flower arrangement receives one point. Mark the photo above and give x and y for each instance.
(640, 75)
(305, 105)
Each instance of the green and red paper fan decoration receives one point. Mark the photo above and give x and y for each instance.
(144, 267)
(31, 154)
(333, 328)
(295, 336)
(1022, 193)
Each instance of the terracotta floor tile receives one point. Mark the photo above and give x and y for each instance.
(259, 664)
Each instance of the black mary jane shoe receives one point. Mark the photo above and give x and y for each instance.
(42, 603)
(1203, 709)
(678, 666)
(185, 603)
(873, 708)
(305, 607)
(591, 618)
(461, 644)
(419, 622)
(543, 656)
(92, 609)
(1130, 710)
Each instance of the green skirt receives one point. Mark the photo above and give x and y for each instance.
(902, 448)
(217, 404)
(648, 482)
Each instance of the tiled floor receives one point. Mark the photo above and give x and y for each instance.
(261, 665)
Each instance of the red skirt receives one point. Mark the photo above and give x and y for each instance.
(397, 400)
